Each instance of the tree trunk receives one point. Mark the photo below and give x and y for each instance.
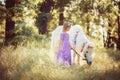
(88, 25)
(61, 16)
(111, 40)
(43, 29)
(45, 8)
(88, 30)
(10, 23)
(118, 41)
(108, 39)
(104, 39)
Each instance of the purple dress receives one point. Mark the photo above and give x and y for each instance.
(64, 54)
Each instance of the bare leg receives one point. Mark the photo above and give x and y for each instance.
(78, 57)
(74, 58)
(78, 60)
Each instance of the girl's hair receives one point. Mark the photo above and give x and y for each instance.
(66, 24)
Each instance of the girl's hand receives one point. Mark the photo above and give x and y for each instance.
(61, 48)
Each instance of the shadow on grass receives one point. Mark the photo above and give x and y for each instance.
(4, 73)
(103, 75)
(114, 54)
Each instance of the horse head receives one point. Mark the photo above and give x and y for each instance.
(88, 51)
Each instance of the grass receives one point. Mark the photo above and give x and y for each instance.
(33, 63)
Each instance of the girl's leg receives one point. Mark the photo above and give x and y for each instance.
(78, 57)
(78, 60)
(74, 55)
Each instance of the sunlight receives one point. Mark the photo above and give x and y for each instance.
(29, 21)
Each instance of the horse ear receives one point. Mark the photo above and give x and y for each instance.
(90, 46)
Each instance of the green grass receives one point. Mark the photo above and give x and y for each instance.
(33, 63)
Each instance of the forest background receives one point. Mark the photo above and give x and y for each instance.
(25, 34)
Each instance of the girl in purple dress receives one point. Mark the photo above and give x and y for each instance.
(64, 50)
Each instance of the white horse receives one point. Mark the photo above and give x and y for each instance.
(82, 45)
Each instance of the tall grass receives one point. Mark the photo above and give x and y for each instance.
(33, 63)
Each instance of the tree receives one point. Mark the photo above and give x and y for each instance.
(88, 11)
(10, 23)
(118, 41)
(60, 4)
(42, 19)
(2, 21)
(44, 14)
(2, 12)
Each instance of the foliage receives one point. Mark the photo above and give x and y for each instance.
(40, 20)
(61, 3)
(26, 35)
(43, 15)
(25, 29)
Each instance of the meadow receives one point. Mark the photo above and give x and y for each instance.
(33, 62)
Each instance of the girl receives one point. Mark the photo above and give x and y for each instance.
(64, 52)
